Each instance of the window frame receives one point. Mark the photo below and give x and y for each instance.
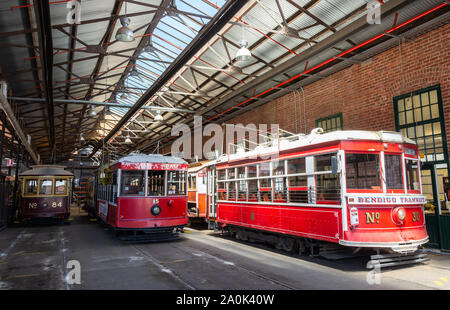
(330, 117)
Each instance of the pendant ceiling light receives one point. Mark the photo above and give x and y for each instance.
(128, 139)
(158, 116)
(81, 137)
(123, 96)
(125, 34)
(92, 111)
(243, 54)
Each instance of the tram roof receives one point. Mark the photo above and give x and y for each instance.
(150, 158)
(47, 170)
(317, 137)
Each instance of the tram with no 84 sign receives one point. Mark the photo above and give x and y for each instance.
(143, 197)
(343, 189)
(45, 193)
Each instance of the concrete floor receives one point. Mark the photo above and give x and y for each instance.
(34, 257)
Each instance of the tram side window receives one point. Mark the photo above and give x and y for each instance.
(31, 187)
(328, 187)
(298, 185)
(279, 184)
(132, 183)
(221, 175)
(156, 180)
(232, 191)
(265, 186)
(60, 186)
(242, 184)
(252, 190)
(363, 171)
(46, 187)
(412, 175)
(176, 183)
(393, 170)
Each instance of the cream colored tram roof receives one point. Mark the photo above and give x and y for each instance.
(316, 137)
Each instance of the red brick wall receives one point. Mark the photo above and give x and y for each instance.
(364, 92)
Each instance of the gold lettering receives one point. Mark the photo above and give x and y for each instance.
(371, 217)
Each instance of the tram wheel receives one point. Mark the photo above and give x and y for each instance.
(288, 244)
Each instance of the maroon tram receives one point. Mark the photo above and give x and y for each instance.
(143, 197)
(353, 189)
(45, 193)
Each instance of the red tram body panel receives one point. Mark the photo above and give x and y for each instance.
(143, 193)
(353, 188)
(45, 193)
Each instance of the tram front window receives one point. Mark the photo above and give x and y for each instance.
(132, 183)
(363, 171)
(393, 170)
(156, 180)
(31, 187)
(176, 183)
(60, 187)
(46, 187)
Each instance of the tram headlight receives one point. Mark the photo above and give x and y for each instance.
(399, 215)
(155, 210)
(44, 205)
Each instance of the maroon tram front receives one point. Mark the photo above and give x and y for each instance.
(45, 193)
(145, 193)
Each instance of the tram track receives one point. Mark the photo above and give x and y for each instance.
(196, 254)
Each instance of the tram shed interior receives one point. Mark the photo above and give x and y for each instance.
(86, 83)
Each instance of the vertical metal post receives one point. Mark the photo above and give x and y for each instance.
(16, 179)
(3, 205)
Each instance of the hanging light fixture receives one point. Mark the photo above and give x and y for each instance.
(128, 139)
(243, 54)
(92, 111)
(125, 34)
(158, 116)
(81, 137)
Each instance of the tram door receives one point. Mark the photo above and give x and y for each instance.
(211, 192)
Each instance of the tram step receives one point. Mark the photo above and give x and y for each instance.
(389, 260)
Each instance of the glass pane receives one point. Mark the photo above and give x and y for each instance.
(221, 174)
(241, 172)
(252, 190)
(363, 171)
(278, 167)
(31, 187)
(176, 183)
(323, 162)
(418, 115)
(46, 187)
(426, 113)
(296, 166)
(401, 105)
(156, 180)
(416, 101)
(231, 173)
(264, 169)
(401, 118)
(251, 170)
(393, 169)
(328, 187)
(132, 183)
(60, 187)
(408, 103)
(434, 111)
(433, 97)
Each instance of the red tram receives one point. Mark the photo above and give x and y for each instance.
(355, 189)
(45, 193)
(145, 195)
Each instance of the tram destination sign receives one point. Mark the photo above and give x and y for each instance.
(386, 200)
(153, 166)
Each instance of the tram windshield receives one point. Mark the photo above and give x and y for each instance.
(132, 183)
(156, 183)
(363, 171)
(176, 183)
(46, 187)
